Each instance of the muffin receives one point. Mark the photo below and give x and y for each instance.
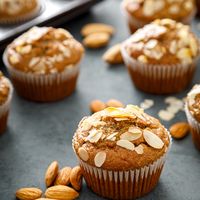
(44, 63)
(198, 7)
(14, 11)
(141, 12)
(161, 57)
(6, 91)
(121, 151)
(192, 109)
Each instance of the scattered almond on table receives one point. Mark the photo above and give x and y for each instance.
(58, 180)
(97, 28)
(179, 130)
(113, 55)
(114, 103)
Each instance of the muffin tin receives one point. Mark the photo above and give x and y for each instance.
(63, 10)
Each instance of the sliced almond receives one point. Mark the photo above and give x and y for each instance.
(63, 177)
(126, 144)
(179, 130)
(130, 136)
(166, 115)
(94, 136)
(61, 192)
(51, 173)
(113, 55)
(76, 178)
(96, 28)
(83, 153)
(97, 105)
(114, 103)
(100, 158)
(110, 137)
(153, 140)
(96, 40)
(139, 149)
(28, 193)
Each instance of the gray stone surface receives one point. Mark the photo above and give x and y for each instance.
(40, 133)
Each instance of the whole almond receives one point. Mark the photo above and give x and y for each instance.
(96, 40)
(76, 178)
(114, 103)
(113, 55)
(45, 199)
(28, 193)
(96, 28)
(51, 173)
(63, 177)
(179, 130)
(61, 192)
(97, 105)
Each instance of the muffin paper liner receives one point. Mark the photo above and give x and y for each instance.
(194, 126)
(159, 79)
(23, 18)
(4, 109)
(135, 23)
(128, 184)
(43, 87)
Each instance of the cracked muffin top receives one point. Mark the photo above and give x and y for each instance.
(163, 42)
(149, 10)
(120, 139)
(193, 102)
(44, 50)
(4, 88)
(14, 8)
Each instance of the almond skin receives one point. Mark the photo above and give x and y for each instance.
(96, 28)
(45, 199)
(113, 55)
(97, 105)
(76, 178)
(63, 177)
(96, 40)
(28, 193)
(114, 103)
(51, 173)
(179, 130)
(61, 192)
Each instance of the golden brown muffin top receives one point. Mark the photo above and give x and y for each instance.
(44, 50)
(163, 42)
(120, 139)
(149, 10)
(12, 8)
(4, 89)
(193, 102)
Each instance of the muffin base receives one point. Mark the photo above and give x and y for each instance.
(123, 184)
(194, 127)
(159, 79)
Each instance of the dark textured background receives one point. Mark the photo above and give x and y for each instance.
(37, 133)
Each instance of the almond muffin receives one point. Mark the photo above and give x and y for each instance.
(121, 151)
(141, 12)
(161, 57)
(6, 91)
(192, 109)
(44, 63)
(13, 11)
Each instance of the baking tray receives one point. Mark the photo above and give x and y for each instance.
(52, 12)
(37, 133)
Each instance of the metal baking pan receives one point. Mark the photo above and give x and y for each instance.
(52, 12)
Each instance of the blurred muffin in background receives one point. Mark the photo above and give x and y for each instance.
(15, 11)
(192, 110)
(141, 12)
(44, 63)
(6, 91)
(161, 57)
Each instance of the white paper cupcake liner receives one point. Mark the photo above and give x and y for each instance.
(36, 86)
(195, 127)
(4, 108)
(23, 18)
(136, 23)
(128, 184)
(156, 78)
